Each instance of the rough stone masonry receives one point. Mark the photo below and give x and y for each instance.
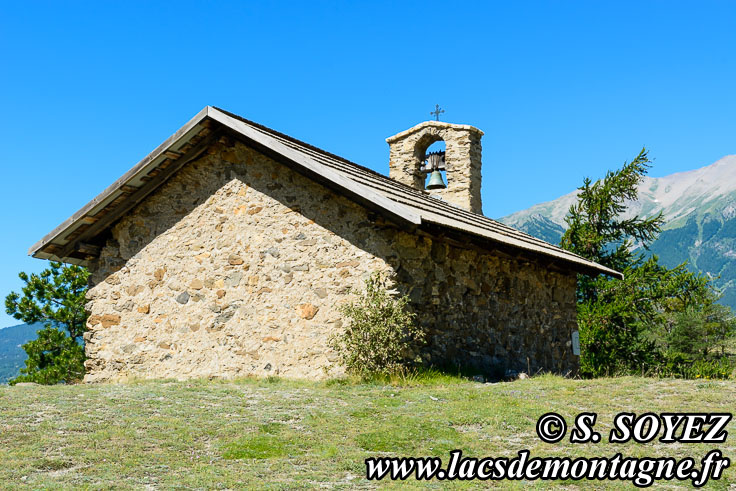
(237, 266)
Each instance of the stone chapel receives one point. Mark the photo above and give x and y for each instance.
(228, 250)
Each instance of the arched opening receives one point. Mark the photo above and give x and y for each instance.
(437, 146)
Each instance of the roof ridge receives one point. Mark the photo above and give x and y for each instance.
(308, 145)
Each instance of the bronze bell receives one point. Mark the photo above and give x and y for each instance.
(435, 162)
(436, 181)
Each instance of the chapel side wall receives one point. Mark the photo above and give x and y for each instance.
(490, 313)
(238, 266)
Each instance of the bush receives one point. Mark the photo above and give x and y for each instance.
(680, 365)
(381, 337)
(720, 368)
(611, 340)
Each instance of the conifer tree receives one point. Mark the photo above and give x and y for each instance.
(620, 320)
(55, 298)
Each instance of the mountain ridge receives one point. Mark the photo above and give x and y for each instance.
(699, 208)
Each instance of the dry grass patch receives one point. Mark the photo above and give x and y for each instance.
(210, 434)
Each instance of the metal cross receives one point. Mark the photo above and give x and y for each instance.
(437, 111)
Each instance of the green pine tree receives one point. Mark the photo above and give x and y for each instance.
(620, 321)
(55, 298)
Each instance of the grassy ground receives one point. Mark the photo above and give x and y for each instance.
(251, 433)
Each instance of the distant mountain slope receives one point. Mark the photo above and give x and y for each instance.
(538, 225)
(699, 207)
(12, 356)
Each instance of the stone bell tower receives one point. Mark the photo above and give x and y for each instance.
(462, 161)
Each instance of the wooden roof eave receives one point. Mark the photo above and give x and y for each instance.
(58, 235)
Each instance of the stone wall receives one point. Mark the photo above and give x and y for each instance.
(462, 160)
(238, 265)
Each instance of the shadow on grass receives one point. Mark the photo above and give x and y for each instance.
(420, 376)
(412, 377)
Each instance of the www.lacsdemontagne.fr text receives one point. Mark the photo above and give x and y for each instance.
(642, 472)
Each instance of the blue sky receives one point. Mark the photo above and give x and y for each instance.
(562, 90)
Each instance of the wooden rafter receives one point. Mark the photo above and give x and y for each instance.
(123, 206)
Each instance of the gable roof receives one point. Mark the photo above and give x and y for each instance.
(73, 241)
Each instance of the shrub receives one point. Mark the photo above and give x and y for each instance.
(680, 365)
(720, 368)
(381, 337)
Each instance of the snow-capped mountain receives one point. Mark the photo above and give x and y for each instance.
(699, 207)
